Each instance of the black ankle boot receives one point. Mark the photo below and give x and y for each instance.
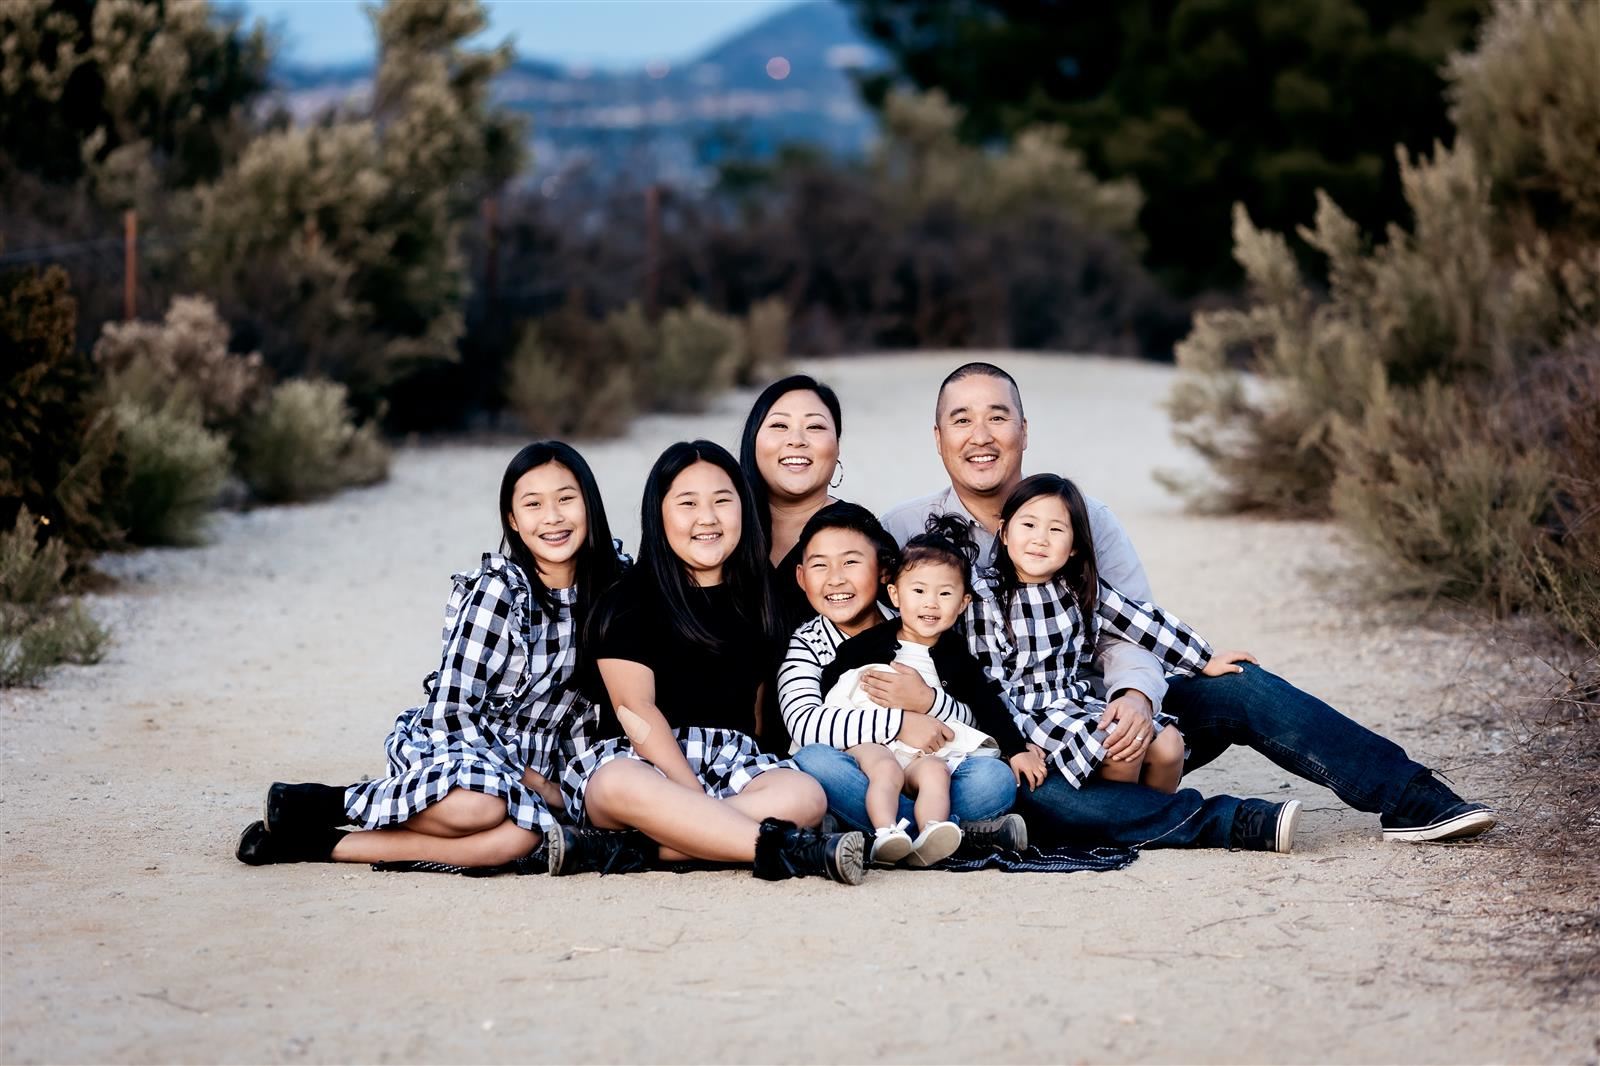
(257, 847)
(290, 808)
(598, 851)
(784, 850)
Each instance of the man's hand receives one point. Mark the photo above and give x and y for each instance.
(1225, 662)
(921, 731)
(898, 685)
(1128, 723)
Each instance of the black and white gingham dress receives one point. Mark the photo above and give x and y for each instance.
(725, 761)
(1040, 651)
(502, 701)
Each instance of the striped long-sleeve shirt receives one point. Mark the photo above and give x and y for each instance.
(812, 647)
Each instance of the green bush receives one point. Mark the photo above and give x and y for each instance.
(699, 356)
(39, 628)
(57, 437)
(303, 443)
(175, 468)
(573, 376)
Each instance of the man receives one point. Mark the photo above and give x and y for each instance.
(981, 433)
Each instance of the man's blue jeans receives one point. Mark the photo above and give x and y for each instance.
(980, 787)
(1292, 728)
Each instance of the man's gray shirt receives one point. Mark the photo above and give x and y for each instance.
(1123, 665)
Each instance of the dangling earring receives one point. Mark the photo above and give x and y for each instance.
(838, 479)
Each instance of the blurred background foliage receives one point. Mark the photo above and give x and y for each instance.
(1367, 229)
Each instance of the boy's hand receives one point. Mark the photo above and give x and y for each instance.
(921, 731)
(1223, 663)
(1029, 767)
(897, 685)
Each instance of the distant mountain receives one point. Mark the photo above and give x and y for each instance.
(786, 79)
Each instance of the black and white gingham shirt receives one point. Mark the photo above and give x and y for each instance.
(1041, 651)
(1126, 666)
(812, 647)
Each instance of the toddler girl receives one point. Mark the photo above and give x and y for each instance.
(931, 589)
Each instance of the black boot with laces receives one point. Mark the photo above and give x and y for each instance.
(598, 851)
(784, 850)
(305, 806)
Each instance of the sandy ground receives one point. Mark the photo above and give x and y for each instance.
(285, 648)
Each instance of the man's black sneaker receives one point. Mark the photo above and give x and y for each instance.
(598, 851)
(1429, 811)
(257, 847)
(1262, 826)
(306, 806)
(784, 850)
(1005, 833)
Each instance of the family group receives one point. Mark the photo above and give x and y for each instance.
(780, 679)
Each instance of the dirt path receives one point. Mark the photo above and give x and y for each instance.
(285, 648)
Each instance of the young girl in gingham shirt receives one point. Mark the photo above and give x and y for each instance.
(473, 768)
(1035, 619)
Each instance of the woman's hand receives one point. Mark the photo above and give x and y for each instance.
(1223, 663)
(923, 732)
(1029, 767)
(898, 685)
(546, 789)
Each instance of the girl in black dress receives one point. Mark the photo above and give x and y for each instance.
(684, 645)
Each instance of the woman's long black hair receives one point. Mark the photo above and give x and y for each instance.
(745, 572)
(752, 426)
(597, 564)
(1080, 571)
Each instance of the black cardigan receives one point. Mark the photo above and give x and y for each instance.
(959, 674)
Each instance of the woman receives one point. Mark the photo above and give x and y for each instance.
(789, 453)
(845, 558)
(471, 770)
(683, 645)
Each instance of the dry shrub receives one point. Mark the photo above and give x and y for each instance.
(303, 443)
(186, 355)
(1437, 486)
(700, 355)
(766, 341)
(572, 376)
(1528, 99)
(57, 437)
(39, 627)
(1268, 434)
(175, 467)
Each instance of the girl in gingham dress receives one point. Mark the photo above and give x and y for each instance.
(1034, 623)
(472, 769)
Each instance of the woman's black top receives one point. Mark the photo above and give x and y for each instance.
(959, 673)
(793, 607)
(695, 685)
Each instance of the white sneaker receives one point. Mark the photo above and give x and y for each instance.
(937, 842)
(891, 844)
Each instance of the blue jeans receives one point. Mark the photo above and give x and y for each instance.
(1261, 710)
(980, 787)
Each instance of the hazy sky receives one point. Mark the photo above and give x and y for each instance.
(607, 33)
